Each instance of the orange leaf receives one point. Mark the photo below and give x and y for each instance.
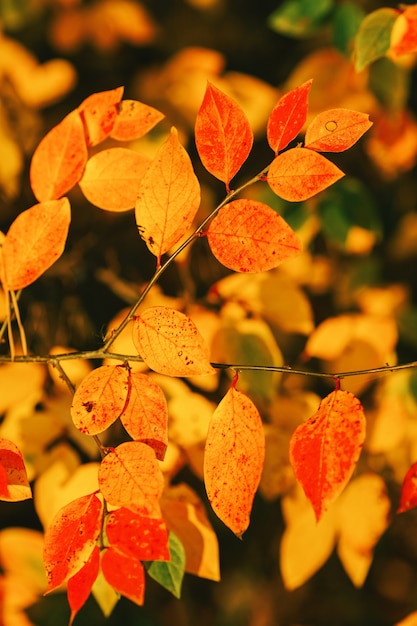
(111, 178)
(223, 135)
(59, 160)
(134, 120)
(233, 459)
(336, 130)
(100, 399)
(129, 475)
(79, 586)
(145, 415)
(325, 448)
(13, 477)
(142, 538)
(169, 343)
(299, 174)
(125, 574)
(249, 236)
(404, 32)
(408, 499)
(168, 197)
(99, 113)
(71, 538)
(288, 117)
(35, 240)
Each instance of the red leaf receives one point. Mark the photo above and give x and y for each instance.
(168, 197)
(139, 537)
(71, 538)
(325, 448)
(223, 135)
(14, 484)
(130, 476)
(249, 236)
(99, 113)
(233, 459)
(59, 160)
(134, 120)
(288, 117)
(404, 32)
(35, 240)
(169, 343)
(336, 130)
(145, 415)
(79, 586)
(125, 574)
(300, 173)
(100, 399)
(408, 499)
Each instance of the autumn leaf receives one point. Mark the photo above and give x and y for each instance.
(336, 130)
(408, 498)
(125, 574)
(300, 173)
(99, 113)
(129, 475)
(59, 160)
(288, 117)
(223, 135)
(233, 459)
(136, 536)
(14, 484)
(169, 343)
(100, 399)
(79, 586)
(324, 449)
(168, 197)
(249, 236)
(112, 177)
(134, 119)
(70, 539)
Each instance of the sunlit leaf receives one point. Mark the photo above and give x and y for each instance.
(336, 130)
(169, 343)
(223, 135)
(140, 537)
(288, 117)
(170, 573)
(233, 459)
(100, 399)
(112, 177)
(300, 173)
(168, 197)
(125, 574)
(59, 160)
(34, 241)
(98, 113)
(408, 499)
(249, 236)
(404, 32)
(373, 38)
(79, 586)
(134, 119)
(324, 449)
(14, 484)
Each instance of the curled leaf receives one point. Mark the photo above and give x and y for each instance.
(14, 483)
(99, 113)
(134, 119)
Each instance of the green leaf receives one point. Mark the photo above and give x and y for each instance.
(374, 37)
(347, 18)
(300, 18)
(390, 83)
(169, 574)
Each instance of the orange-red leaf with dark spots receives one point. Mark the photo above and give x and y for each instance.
(300, 173)
(139, 537)
(125, 574)
(288, 117)
(336, 130)
(249, 236)
(59, 160)
(14, 483)
(99, 113)
(134, 119)
(79, 586)
(223, 135)
(324, 449)
(100, 398)
(408, 499)
(233, 459)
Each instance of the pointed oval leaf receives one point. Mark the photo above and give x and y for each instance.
(373, 38)
(129, 475)
(249, 236)
(288, 117)
(140, 537)
(336, 130)
(223, 135)
(145, 415)
(70, 539)
(79, 586)
(324, 449)
(125, 574)
(169, 574)
(59, 160)
(14, 483)
(100, 399)
(233, 459)
(134, 119)
(300, 173)
(112, 177)
(168, 197)
(169, 343)
(99, 113)
(35, 240)
(408, 499)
